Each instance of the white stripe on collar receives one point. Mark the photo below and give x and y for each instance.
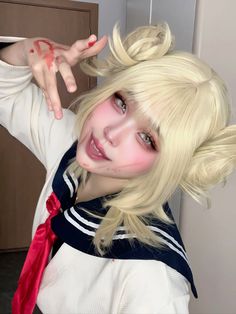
(69, 184)
(85, 222)
(165, 234)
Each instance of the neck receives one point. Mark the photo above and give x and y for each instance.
(98, 186)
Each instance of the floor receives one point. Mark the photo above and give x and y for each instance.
(10, 267)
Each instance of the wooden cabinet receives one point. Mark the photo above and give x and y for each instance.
(22, 175)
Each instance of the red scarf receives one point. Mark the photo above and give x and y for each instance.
(25, 297)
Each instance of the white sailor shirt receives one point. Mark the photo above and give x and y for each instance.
(129, 279)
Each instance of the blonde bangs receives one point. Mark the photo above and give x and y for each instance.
(186, 102)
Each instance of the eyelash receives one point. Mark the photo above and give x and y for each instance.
(123, 107)
(152, 143)
(118, 96)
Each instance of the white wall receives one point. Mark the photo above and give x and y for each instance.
(210, 235)
(110, 12)
(179, 14)
(138, 13)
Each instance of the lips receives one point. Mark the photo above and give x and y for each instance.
(95, 150)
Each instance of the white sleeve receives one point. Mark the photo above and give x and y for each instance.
(178, 306)
(155, 288)
(23, 112)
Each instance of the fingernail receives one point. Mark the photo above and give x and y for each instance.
(58, 114)
(72, 88)
(92, 37)
(92, 40)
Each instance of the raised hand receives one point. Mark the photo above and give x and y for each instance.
(46, 58)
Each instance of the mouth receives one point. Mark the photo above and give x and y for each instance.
(95, 150)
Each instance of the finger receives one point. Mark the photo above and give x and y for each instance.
(60, 46)
(81, 45)
(73, 54)
(39, 78)
(66, 73)
(96, 48)
(82, 49)
(52, 92)
(38, 75)
(48, 100)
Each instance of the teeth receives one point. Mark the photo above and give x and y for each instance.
(96, 149)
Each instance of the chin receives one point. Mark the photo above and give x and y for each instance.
(83, 164)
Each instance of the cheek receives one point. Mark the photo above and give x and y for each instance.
(143, 163)
(103, 114)
(139, 160)
(104, 109)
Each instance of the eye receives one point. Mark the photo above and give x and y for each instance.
(148, 140)
(119, 102)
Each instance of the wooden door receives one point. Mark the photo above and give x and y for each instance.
(22, 176)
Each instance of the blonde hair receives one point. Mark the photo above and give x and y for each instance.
(187, 101)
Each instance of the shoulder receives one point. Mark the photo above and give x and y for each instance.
(153, 286)
(158, 275)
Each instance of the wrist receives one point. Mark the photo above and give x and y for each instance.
(15, 54)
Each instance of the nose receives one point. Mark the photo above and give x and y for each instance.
(116, 133)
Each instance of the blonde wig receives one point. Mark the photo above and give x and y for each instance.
(187, 102)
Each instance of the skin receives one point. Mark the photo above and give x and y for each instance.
(46, 58)
(124, 138)
(128, 142)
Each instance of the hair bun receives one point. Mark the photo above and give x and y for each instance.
(144, 43)
(212, 162)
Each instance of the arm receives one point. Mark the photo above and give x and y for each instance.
(23, 109)
(45, 58)
(14, 54)
(179, 305)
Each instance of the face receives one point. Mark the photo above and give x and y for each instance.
(115, 143)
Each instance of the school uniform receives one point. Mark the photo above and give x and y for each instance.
(131, 278)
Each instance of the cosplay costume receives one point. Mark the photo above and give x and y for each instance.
(129, 278)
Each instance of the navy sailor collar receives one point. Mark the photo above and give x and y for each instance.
(76, 227)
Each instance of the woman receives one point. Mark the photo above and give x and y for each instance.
(158, 122)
